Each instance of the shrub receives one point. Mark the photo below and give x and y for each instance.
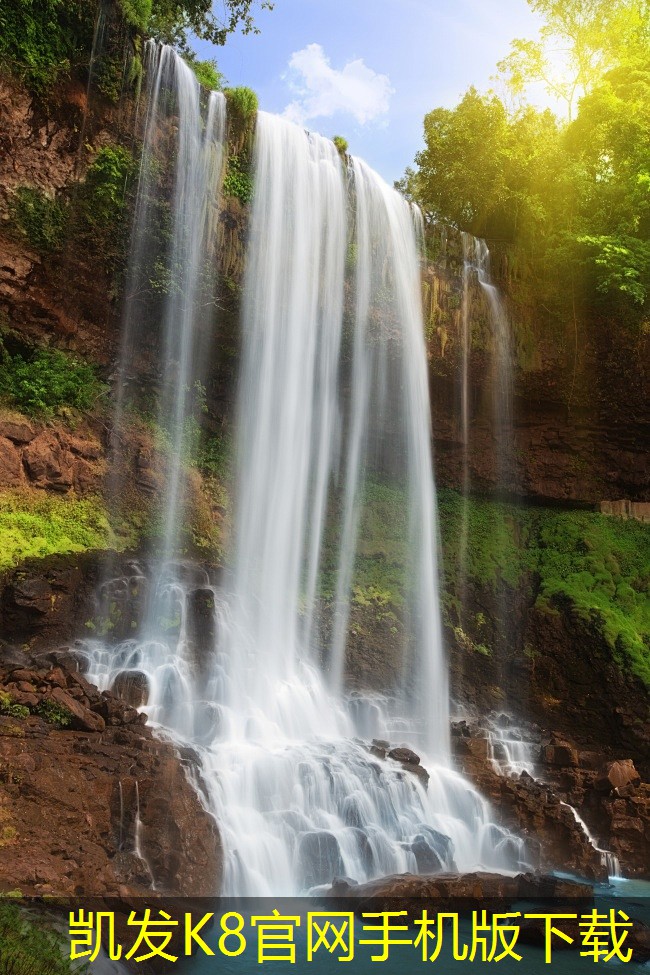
(47, 380)
(207, 74)
(40, 38)
(341, 144)
(242, 103)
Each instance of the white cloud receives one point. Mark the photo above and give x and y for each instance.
(321, 91)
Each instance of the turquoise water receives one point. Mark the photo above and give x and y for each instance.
(632, 897)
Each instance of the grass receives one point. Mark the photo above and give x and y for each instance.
(33, 525)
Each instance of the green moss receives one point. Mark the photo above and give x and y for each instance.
(599, 564)
(35, 525)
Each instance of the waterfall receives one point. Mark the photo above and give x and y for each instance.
(333, 399)
(607, 859)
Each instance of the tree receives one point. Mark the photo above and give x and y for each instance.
(580, 40)
(172, 20)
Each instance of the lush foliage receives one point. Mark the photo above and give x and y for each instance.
(40, 40)
(29, 948)
(568, 200)
(238, 181)
(105, 186)
(341, 144)
(33, 525)
(242, 103)
(207, 73)
(600, 564)
(53, 712)
(47, 380)
(172, 20)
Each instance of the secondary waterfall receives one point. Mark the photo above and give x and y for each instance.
(332, 398)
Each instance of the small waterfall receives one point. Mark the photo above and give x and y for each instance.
(333, 397)
(502, 385)
(607, 859)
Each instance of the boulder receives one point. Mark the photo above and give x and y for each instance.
(82, 717)
(404, 755)
(617, 775)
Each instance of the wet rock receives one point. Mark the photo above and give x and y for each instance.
(617, 775)
(446, 891)
(559, 752)
(132, 686)
(88, 449)
(404, 755)
(319, 859)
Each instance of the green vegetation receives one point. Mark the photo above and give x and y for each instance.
(242, 104)
(42, 219)
(567, 198)
(40, 40)
(10, 708)
(599, 564)
(105, 187)
(43, 40)
(47, 380)
(237, 181)
(29, 948)
(53, 712)
(172, 20)
(33, 524)
(207, 73)
(341, 144)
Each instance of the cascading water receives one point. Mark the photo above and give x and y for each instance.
(333, 395)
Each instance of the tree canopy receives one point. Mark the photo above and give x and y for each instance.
(576, 190)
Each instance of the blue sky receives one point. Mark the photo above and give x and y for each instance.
(370, 69)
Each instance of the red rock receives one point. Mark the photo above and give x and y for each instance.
(81, 717)
(617, 775)
(17, 430)
(47, 464)
(11, 469)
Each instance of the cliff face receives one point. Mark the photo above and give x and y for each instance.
(581, 419)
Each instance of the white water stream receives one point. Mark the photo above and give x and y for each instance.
(333, 393)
